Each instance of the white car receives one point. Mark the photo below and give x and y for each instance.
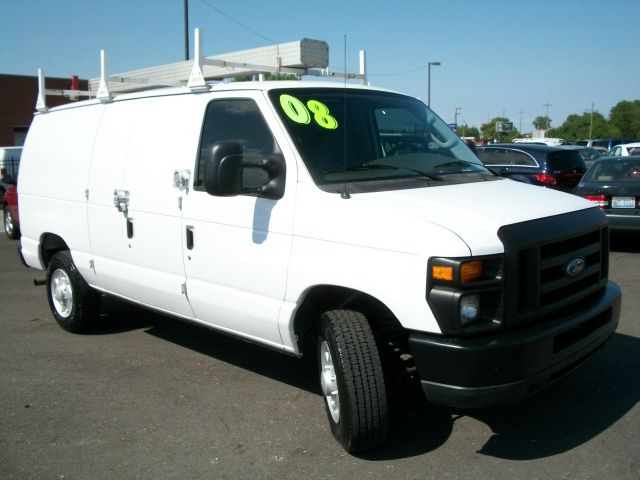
(625, 149)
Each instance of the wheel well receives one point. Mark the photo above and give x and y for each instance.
(50, 244)
(323, 298)
(391, 337)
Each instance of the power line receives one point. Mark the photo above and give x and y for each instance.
(237, 22)
(255, 32)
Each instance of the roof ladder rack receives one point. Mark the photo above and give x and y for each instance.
(41, 102)
(303, 57)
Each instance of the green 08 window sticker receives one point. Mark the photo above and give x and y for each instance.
(301, 113)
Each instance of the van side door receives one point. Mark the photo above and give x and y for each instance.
(237, 248)
(134, 210)
(164, 141)
(106, 223)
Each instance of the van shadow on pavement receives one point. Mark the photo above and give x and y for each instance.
(571, 412)
(627, 242)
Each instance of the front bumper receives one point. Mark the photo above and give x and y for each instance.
(20, 256)
(478, 372)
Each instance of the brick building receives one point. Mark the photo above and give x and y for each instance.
(18, 94)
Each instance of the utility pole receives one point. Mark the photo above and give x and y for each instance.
(548, 119)
(520, 127)
(591, 123)
(455, 117)
(186, 29)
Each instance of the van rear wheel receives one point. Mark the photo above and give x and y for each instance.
(352, 381)
(74, 304)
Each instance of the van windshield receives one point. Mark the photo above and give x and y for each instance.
(363, 140)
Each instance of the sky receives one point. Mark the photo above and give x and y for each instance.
(514, 58)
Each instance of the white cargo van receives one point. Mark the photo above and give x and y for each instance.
(325, 219)
(553, 142)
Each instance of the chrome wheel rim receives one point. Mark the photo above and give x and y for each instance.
(329, 382)
(61, 293)
(8, 222)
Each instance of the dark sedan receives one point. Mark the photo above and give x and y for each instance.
(588, 154)
(613, 183)
(553, 167)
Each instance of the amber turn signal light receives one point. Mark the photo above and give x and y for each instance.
(470, 271)
(439, 272)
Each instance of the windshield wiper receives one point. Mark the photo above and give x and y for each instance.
(385, 166)
(367, 166)
(454, 164)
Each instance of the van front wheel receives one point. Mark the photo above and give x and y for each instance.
(73, 302)
(352, 381)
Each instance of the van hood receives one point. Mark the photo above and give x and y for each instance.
(465, 218)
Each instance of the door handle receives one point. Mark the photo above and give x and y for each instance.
(129, 227)
(189, 237)
(121, 200)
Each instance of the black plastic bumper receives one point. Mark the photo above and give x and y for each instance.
(20, 256)
(624, 223)
(478, 372)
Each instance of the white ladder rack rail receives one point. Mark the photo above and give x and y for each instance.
(303, 57)
(41, 104)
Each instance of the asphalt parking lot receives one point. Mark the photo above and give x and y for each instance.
(146, 397)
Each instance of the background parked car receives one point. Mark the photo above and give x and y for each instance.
(588, 154)
(613, 183)
(625, 149)
(10, 209)
(9, 164)
(604, 144)
(554, 167)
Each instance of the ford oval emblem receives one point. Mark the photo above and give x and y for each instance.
(575, 267)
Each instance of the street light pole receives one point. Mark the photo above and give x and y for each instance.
(435, 64)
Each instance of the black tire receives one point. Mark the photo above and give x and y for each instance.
(10, 227)
(74, 304)
(349, 362)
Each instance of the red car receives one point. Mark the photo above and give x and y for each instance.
(11, 217)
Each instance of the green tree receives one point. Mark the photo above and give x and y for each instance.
(625, 117)
(465, 130)
(542, 122)
(577, 127)
(489, 131)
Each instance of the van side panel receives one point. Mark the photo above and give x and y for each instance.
(107, 225)
(164, 139)
(53, 178)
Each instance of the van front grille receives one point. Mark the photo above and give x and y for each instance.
(538, 279)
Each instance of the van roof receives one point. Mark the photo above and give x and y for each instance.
(224, 87)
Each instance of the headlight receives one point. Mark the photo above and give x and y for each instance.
(469, 309)
(466, 294)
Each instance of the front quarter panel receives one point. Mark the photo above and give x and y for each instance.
(343, 243)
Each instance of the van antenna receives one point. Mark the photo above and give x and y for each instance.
(345, 194)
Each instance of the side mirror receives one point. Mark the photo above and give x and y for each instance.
(227, 173)
(223, 170)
